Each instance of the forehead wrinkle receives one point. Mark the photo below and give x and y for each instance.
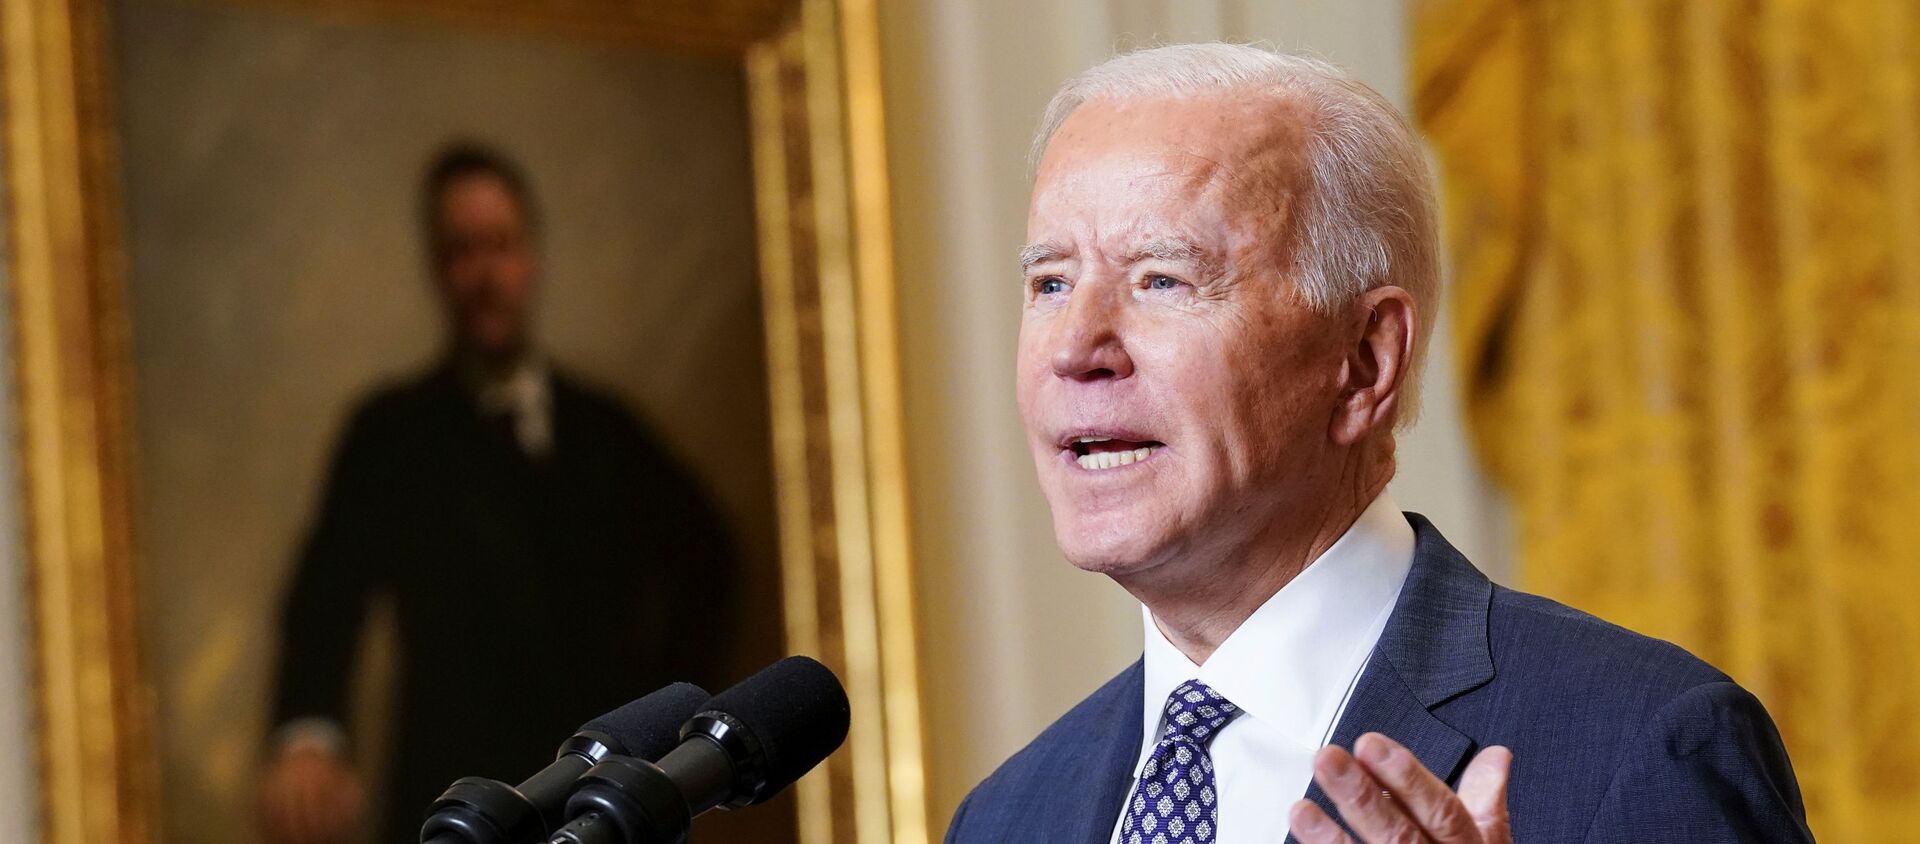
(1265, 173)
(1258, 186)
(1254, 182)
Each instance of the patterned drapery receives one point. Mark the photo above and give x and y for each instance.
(1685, 242)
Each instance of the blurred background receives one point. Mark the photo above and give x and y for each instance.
(1673, 385)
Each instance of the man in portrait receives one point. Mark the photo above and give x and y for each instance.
(545, 558)
(1232, 267)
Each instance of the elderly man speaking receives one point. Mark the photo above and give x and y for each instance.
(1231, 266)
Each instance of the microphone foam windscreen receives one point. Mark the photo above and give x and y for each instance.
(649, 727)
(797, 711)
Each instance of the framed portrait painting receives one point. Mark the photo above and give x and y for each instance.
(404, 383)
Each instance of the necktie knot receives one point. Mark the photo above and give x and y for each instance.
(1174, 801)
(1197, 713)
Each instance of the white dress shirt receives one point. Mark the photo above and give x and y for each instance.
(1290, 667)
(525, 393)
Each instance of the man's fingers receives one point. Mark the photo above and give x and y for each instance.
(1422, 796)
(309, 801)
(1368, 812)
(333, 800)
(321, 803)
(1312, 826)
(273, 810)
(296, 810)
(309, 820)
(349, 802)
(1483, 790)
(356, 804)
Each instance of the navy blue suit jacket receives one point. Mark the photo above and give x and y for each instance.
(1616, 737)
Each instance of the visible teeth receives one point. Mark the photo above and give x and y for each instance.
(1112, 459)
(1091, 439)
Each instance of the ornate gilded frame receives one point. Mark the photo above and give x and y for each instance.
(822, 198)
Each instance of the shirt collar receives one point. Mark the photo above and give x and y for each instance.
(1291, 663)
(520, 390)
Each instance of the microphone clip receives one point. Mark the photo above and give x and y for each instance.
(624, 800)
(738, 746)
(477, 810)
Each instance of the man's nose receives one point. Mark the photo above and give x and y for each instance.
(1091, 344)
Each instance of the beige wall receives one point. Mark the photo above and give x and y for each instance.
(1013, 634)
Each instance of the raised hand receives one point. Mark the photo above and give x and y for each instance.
(310, 795)
(1387, 797)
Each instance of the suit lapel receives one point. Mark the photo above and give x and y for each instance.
(1100, 766)
(1383, 704)
(1434, 649)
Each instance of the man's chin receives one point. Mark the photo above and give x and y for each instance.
(1113, 556)
(495, 347)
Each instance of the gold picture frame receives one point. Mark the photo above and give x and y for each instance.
(827, 281)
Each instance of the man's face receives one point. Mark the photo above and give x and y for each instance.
(484, 265)
(1177, 391)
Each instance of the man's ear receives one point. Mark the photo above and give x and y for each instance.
(1379, 337)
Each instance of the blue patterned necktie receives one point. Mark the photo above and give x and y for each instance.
(1174, 801)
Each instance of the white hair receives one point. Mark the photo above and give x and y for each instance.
(1368, 217)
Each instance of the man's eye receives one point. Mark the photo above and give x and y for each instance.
(1162, 282)
(1050, 286)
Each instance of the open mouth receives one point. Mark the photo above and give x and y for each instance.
(1095, 452)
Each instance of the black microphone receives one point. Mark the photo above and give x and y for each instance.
(745, 746)
(476, 810)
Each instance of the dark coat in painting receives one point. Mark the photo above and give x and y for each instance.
(530, 593)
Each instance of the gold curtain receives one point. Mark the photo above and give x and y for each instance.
(1685, 243)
